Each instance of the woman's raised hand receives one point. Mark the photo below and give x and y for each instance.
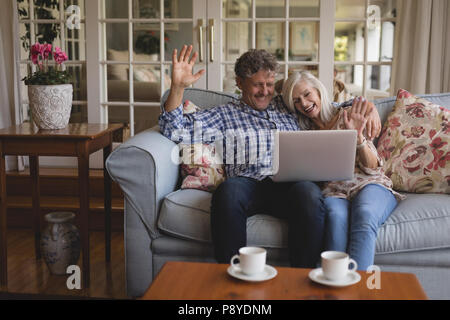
(356, 119)
(182, 68)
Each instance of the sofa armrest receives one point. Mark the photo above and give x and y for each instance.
(143, 169)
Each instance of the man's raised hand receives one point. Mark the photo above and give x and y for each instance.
(182, 68)
(182, 76)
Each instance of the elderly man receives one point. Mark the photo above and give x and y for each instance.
(248, 189)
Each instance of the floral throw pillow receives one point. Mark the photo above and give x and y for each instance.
(414, 145)
(200, 165)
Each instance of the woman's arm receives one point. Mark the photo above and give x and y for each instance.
(373, 126)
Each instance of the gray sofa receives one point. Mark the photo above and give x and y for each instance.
(164, 223)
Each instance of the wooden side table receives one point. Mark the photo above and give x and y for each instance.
(76, 140)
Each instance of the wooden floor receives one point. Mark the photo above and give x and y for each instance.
(26, 275)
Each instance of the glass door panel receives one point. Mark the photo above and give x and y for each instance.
(290, 33)
(178, 9)
(175, 36)
(270, 37)
(304, 8)
(237, 9)
(269, 8)
(138, 39)
(304, 41)
(350, 9)
(237, 39)
(349, 41)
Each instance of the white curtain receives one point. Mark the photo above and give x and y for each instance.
(9, 97)
(422, 49)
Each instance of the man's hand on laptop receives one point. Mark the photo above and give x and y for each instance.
(356, 119)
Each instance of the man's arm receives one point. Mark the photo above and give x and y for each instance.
(373, 126)
(182, 76)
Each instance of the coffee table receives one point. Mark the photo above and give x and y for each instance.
(209, 281)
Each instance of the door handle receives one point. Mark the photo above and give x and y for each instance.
(200, 39)
(211, 40)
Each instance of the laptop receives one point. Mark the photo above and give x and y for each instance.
(314, 155)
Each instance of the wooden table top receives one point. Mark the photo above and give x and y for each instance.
(72, 130)
(209, 281)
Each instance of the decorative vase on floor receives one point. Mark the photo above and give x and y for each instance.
(60, 242)
(50, 105)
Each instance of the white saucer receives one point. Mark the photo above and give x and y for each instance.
(268, 273)
(352, 277)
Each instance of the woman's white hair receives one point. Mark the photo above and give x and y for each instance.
(327, 110)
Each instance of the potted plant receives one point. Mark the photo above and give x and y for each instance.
(49, 88)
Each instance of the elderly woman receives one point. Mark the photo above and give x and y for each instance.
(340, 215)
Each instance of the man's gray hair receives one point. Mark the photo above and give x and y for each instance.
(253, 61)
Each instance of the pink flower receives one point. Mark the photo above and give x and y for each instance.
(385, 144)
(414, 157)
(59, 56)
(394, 123)
(37, 50)
(437, 143)
(41, 52)
(46, 50)
(35, 58)
(417, 131)
(415, 110)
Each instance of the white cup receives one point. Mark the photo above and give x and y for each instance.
(335, 265)
(252, 260)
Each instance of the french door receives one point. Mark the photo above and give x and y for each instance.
(120, 51)
(137, 38)
(289, 29)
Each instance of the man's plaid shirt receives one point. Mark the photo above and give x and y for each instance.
(245, 134)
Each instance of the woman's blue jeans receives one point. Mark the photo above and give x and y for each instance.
(352, 226)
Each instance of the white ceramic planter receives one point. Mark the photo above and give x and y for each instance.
(50, 105)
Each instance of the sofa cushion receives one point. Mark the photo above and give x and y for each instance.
(186, 214)
(201, 166)
(414, 145)
(420, 222)
(120, 71)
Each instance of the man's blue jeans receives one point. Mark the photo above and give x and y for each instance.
(352, 226)
(238, 198)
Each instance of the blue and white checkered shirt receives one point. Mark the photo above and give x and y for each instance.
(242, 135)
